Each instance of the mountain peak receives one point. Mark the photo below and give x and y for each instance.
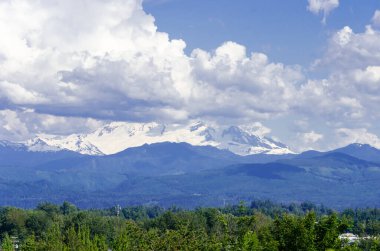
(38, 145)
(361, 151)
(360, 145)
(118, 136)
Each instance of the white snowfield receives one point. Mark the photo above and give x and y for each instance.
(118, 136)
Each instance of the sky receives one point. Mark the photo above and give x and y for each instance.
(307, 71)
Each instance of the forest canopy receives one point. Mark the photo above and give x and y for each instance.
(261, 225)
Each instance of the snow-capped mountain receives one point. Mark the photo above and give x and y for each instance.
(38, 145)
(5, 144)
(117, 136)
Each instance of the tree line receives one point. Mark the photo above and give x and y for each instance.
(262, 225)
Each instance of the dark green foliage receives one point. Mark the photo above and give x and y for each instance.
(363, 221)
(262, 226)
(327, 232)
(141, 213)
(296, 233)
(67, 208)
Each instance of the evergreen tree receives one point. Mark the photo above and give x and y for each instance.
(7, 243)
(327, 232)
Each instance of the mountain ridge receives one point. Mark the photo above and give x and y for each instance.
(118, 136)
(180, 173)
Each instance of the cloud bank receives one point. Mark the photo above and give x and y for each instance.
(107, 60)
(67, 66)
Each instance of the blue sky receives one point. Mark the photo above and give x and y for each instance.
(284, 30)
(307, 71)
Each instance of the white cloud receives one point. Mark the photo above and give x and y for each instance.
(66, 66)
(333, 99)
(322, 6)
(368, 80)
(343, 36)
(240, 85)
(310, 137)
(90, 58)
(11, 127)
(351, 91)
(358, 135)
(69, 61)
(349, 50)
(305, 139)
(20, 125)
(106, 60)
(376, 18)
(19, 95)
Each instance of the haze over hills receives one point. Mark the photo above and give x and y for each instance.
(118, 136)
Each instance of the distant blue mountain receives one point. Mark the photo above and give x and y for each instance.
(189, 176)
(17, 162)
(15, 154)
(265, 171)
(361, 151)
(309, 154)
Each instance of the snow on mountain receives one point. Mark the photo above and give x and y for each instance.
(32, 145)
(118, 136)
(74, 142)
(38, 145)
(11, 145)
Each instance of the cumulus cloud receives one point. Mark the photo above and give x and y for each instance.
(92, 58)
(106, 60)
(368, 79)
(17, 94)
(310, 137)
(67, 66)
(322, 6)
(19, 125)
(348, 50)
(334, 99)
(11, 127)
(376, 18)
(241, 85)
(350, 93)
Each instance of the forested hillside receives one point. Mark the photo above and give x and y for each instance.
(262, 225)
(189, 176)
